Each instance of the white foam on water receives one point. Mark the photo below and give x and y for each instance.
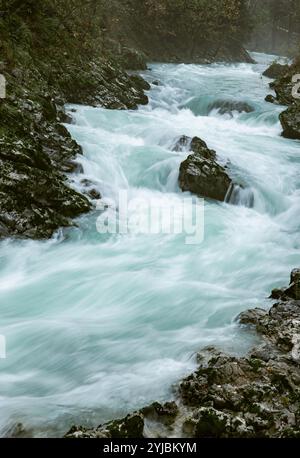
(98, 325)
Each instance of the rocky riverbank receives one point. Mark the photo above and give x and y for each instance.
(38, 155)
(284, 87)
(257, 395)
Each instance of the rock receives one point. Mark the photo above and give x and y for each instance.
(283, 86)
(36, 212)
(229, 106)
(277, 293)
(103, 83)
(133, 59)
(202, 175)
(182, 144)
(156, 83)
(94, 194)
(140, 82)
(36, 150)
(251, 316)
(198, 146)
(290, 120)
(91, 191)
(165, 413)
(293, 290)
(276, 70)
(271, 99)
(72, 167)
(131, 427)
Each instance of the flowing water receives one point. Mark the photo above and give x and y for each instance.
(97, 325)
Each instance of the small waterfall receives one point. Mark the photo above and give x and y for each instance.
(238, 195)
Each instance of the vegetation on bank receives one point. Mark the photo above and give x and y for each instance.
(276, 26)
(48, 61)
(160, 28)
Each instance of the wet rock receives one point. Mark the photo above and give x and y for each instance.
(94, 194)
(133, 59)
(251, 316)
(292, 292)
(229, 106)
(165, 413)
(283, 87)
(271, 99)
(198, 146)
(213, 423)
(37, 211)
(140, 82)
(36, 149)
(102, 83)
(201, 174)
(290, 120)
(91, 190)
(276, 70)
(131, 427)
(72, 167)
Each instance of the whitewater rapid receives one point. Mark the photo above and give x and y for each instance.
(98, 325)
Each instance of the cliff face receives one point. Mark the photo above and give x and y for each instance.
(45, 68)
(175, 31)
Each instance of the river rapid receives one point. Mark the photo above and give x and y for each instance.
(97, 325)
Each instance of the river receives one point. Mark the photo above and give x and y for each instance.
(97, 325)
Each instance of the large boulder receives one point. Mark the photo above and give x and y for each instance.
(276, 70)
(201, 174)
(290, 120)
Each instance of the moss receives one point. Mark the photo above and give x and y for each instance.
(256, 364)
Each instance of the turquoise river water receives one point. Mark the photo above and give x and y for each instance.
(97, 325)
